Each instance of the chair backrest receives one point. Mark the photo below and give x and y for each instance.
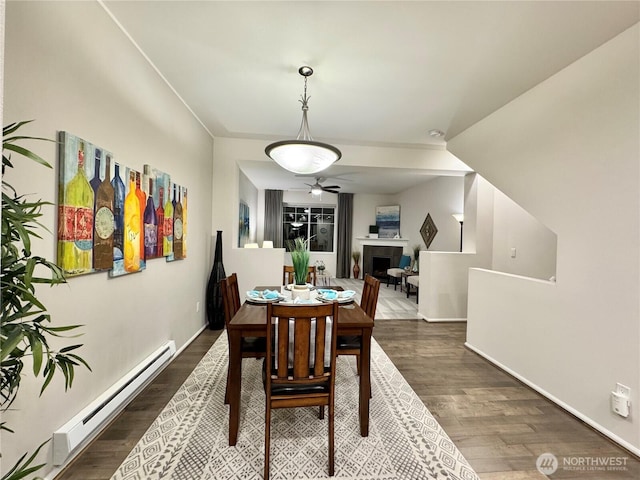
(287, 275)
(301, 354)
(230, 297)
(311, 276)
(369, 299)
(405, 261)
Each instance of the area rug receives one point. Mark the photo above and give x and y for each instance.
(189, 439)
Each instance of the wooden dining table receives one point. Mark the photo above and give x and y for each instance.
(250, 321)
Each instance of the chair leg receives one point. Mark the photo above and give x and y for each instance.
(358, 363)
(417, 294)
(388, 278)
(226, 390)
(321, 412)
(267, 439)
(331, 439)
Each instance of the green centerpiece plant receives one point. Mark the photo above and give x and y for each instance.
(26, 329)
(300, 259)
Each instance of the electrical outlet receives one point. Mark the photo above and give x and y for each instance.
(197, 307)
(513, 253)
(623, 390)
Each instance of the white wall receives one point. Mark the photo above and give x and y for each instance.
(440, 197)
(567, 151)
(69, 67)
(535, 245)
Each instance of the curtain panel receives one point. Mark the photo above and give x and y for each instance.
(273, 217)
(345, 227)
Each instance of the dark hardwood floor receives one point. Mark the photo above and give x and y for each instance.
(499, 424)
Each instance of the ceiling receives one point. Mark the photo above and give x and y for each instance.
(385, 73)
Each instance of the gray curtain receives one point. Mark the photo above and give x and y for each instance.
(345, 224)
(273, 217)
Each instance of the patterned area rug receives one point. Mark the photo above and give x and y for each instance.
(189, 440)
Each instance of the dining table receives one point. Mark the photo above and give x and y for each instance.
(250, 321)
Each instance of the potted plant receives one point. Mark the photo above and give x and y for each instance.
(416, 257)
(356, 263)
(300, 260)
(25, 323)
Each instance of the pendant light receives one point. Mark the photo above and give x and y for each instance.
(303, 155)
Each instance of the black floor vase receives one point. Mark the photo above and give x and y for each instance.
(215, 308)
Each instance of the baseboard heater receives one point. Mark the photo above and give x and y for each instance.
(81, 427)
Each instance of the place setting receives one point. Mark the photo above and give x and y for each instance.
(316, 296)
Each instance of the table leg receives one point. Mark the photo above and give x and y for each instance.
(235, 383)
(365, 382)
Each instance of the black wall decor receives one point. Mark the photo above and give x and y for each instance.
(428, 230)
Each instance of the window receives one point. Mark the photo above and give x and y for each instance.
(313, 223)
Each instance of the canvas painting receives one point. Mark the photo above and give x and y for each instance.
(130, 200)
(388, 221)
(179, 224)
(112, 217)
(85, 207)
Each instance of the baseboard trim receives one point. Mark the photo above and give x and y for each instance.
(434, 320)
(596, 426)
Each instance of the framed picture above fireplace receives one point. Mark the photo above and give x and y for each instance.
(388, 221)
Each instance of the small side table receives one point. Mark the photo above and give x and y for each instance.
(324, 278)
(403, 279)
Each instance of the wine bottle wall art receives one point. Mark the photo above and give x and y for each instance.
(111, 217)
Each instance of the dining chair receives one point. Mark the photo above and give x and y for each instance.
(252, 347)
(287, 275)
(352, 344)
(300, 366)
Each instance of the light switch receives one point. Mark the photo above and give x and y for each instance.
(513, 253)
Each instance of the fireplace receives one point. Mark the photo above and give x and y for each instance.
(377, 259)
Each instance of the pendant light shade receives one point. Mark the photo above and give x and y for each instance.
(303, 155)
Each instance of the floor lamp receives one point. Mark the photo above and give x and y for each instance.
(460, 218)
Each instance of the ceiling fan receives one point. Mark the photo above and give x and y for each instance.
(317, 188)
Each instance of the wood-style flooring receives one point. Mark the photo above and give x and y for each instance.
(500, 425)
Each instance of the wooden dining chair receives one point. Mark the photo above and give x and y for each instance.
(304, 375)
(252, 347)
(352, 344)
(288, 278)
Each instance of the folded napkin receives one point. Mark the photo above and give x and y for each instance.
(347, 294)
(253, 294)
(270, 294)
(328, 294)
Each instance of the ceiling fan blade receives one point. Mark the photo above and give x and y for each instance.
(329, 190)
(331, 186)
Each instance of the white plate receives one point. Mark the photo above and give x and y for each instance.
(339, 299)
(264, 300)
(309, 286)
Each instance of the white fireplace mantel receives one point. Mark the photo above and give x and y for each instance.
(383, 242)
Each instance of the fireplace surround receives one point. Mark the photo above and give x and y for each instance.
(376, 259)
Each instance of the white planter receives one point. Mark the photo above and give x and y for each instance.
(300, 291)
